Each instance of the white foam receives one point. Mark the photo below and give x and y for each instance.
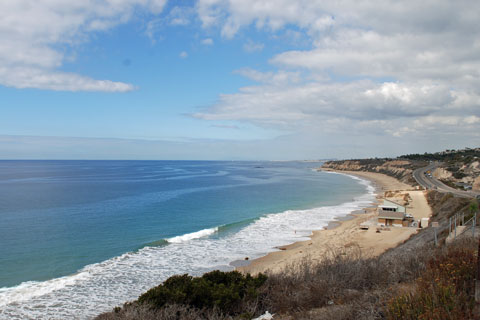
(101, 286)
(24, 291)
(193, 235)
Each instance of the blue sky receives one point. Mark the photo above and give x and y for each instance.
(223, 79)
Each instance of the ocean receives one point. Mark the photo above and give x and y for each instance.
(81, 237)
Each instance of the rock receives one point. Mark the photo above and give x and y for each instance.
(266, 316)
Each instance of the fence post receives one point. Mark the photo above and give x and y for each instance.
(450, 226)
(455, 222)
(474, 224)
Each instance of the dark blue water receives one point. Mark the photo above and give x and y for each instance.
(57, 217)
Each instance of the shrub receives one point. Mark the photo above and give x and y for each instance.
(459, 175)
(134, 311)
(225, 291)
(445, 290)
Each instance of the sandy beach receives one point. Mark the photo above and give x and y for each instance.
(347, 234)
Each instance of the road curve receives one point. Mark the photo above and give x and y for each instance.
(429, 182)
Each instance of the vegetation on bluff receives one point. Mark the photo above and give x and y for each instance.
(464, 156)
(224, 291)
(445, 289)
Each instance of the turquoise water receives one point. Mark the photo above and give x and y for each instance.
(82, 236)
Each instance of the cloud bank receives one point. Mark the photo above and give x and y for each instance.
(389, 68)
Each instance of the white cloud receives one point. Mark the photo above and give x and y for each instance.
(400, 132)
(283, 96)
(59, 81)
(251, 46)
(180, 16)
(207, 41)
(183, 55)
(272, 14)
(271, 78)
(471, 120)
(32, 31)
(152, 29)
(387, 68)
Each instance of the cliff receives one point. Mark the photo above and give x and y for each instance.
(397, 168)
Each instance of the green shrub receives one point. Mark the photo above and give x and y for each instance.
(459, 175)
(222, 290)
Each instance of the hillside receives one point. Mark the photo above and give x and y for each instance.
(457, 168)
(400, 169)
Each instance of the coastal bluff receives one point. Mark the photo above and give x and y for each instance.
(399, 169)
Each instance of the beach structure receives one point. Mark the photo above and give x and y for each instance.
(393, 214)
(424, 222)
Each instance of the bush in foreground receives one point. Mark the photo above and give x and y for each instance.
(444, 291)
(224, 291)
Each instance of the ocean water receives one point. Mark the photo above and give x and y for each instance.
(80, 237)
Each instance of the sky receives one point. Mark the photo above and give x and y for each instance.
(237, 79)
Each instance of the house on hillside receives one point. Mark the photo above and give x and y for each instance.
(393, 214)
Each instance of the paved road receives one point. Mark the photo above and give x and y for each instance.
(432, 183)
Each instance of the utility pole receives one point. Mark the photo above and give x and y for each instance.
(455, 235)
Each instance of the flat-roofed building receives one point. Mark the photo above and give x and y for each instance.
(391, 214)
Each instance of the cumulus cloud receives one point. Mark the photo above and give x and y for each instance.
(183, 55)
(34, 31)
(384, 67)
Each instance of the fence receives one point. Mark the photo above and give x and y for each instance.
(458, 225)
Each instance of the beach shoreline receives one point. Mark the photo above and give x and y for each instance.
(341, 233)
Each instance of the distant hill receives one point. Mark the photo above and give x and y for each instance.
(457, 168)
(400, 169)
(465, 156)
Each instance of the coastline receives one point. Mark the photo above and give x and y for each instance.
(341, 233)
